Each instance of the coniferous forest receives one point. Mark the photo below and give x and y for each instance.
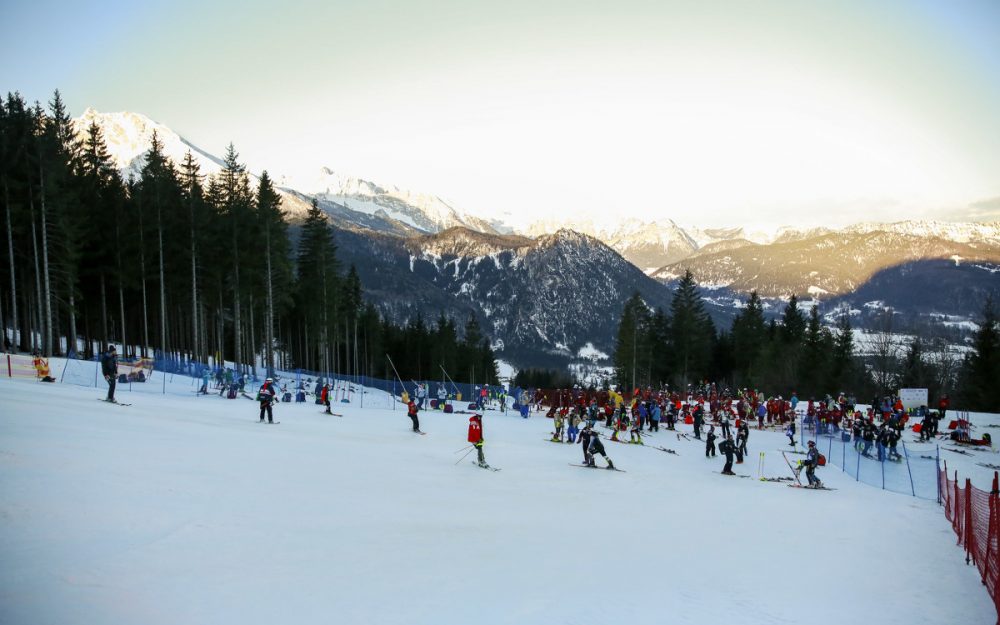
(795, 352)
(181, 266)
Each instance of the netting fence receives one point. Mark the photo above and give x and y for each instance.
(975, 517)
(167, 374)
(906, 469)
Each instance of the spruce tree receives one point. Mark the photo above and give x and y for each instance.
(691, 331)
(979, 387)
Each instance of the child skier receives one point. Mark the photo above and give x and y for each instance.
(727, 447)
(476, 437)
(635, 434)
(710, 442)
(811, 462)
(325, 397)
(558, 422)
(574, 425)
(596, 447)
(267, 396)
(411, 412)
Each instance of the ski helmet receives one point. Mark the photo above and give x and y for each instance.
(811, 443)
(269, 380)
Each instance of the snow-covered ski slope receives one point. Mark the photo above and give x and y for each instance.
(183, 509)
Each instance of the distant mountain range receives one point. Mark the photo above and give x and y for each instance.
(546, 293)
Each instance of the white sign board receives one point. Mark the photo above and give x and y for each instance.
(913, 397)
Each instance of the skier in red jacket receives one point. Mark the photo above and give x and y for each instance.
(476, 436)
(325, 397)
(411, 412)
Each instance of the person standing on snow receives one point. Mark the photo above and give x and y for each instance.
(596, 447)
(109, 369)
(421, 393)
(790, 432)
(476, 436)
(574, 425)
(411, 412)
(325, 398)
(557, 422)
(728, 448)
(696, 419)
(442, 396)
(267, 396)
(710, 442)
(742, 435)
(810, 463)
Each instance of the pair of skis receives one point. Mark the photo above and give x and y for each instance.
(593, 466)
(115, 402)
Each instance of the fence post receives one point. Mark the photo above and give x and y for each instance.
(970, 553)
(956, 520)
(989, 528)
(857, 469)
(882, 464)
(937, 463)
(843, 454)
(908, 470)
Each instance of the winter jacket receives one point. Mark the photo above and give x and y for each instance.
(475, 430)
(812, 457)
(109, 365)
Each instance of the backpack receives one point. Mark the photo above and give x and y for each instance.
(821, 461)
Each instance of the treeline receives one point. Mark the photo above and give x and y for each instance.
(797, 352)
(682, 346)
(190, 266)
(543, 378)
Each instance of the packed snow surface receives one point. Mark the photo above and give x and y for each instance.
(183, 509)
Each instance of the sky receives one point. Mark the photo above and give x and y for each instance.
(761, 113)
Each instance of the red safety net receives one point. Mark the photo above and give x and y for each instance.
(975, 516)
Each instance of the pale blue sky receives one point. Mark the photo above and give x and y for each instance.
(712, 113)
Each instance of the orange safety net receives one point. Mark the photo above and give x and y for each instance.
(975, 517)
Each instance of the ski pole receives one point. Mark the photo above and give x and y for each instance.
(464, 448)
(471, 447)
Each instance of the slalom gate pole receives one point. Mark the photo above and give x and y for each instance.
(396, 372)
(453, 385)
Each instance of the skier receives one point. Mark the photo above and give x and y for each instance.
(421, 393)
(635, 434)
(810, 463)
(574, 425)
(206, 377)
(266, 396)
(790, 432)
(596, 447)
(585, 436)
(710, 442)
(725, 425)
(442, 396)
(742, 435)
(325, 397)
(411, 412)
(728, 448)
(698, 413)
(109, 369)
(558, 423)
(476, 437)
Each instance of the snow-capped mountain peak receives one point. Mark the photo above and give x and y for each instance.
(422, 211)
(128, 136)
